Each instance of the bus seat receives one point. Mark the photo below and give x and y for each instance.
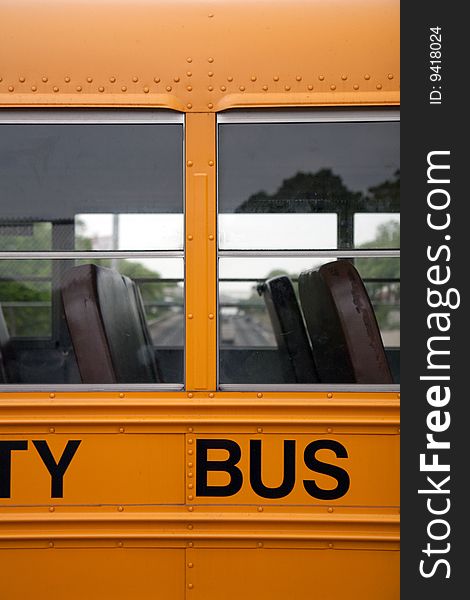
(346, 341)
(107, 327)
(289, 330)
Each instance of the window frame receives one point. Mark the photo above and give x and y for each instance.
(144, 116)
(280, 116)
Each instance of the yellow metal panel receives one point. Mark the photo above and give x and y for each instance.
(93, 573)
(105, 469)
(264, 574)
(372, 466)
(199, 56)
(201, 240)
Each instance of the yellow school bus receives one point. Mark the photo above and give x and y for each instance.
(199, 299)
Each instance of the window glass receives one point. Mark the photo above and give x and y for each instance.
(302, 172)
(91, 187)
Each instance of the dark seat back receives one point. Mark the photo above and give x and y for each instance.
(289, 330)
(107, 325)
(346, 341)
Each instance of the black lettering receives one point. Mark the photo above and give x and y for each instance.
(337, 473)
(203, 466)
(57, 470)
(289, 471)
(6, 448)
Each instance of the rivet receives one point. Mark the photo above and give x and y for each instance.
(398, 430)
(211, 315)
(121, 395)
(211, 237)
(355, 86)
(146, 90)
(190, 395)
(344, 77)
(112, 79)
(398, 396)
(211, 163)
(332, 87)
(189, 163)
(259, 394)
(51, 429)
(120, 544)
(310, 87)
(211, 394)
(242, 88)
(51, 509)
(1, 79)
(190, 465)
(329, 430)
(11, 88)
(190, 441)
(287, 88)
(210, 88)
(190, 586)
(189, 59)
(276, 78)
(210, 59)
(168, 88)
(52, 395)
(189, 105)
(190, 526)
(253, 78)
(89, 79)
(21, 79)
(260, 509)
(222, 88)
(190, 237)
(190, 429)
(390, 75)
(321, 77)
(101, 89)
(190, 486)
(79, 88)
(190, 544)
(56, 89)
(330, 545)
(121, 429)
(156, 79)
(135, 79)
(329, 395)
(67, 79)
(260, 544)
(188, 73)
(299, 78)
(230, 78)
(190, 315)
(190, 508)
(330, 509)
(190, 497)
(379, 86)
(190, 565)
(190, 451)
(265, 88)
(120, 508)
(123, 88)
(259, 430)
(44, 79)
(176, 79)
(367, 76)
(189, 88)
(51, 544)
(33, 88)
(210, 74)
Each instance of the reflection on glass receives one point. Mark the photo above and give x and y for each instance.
(59, 180)
(44, 314)
(304, 168)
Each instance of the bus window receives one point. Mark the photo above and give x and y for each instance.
(297, 192)
(103, 190)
